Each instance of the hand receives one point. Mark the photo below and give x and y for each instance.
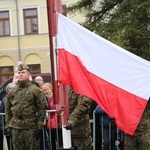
(9, 131)
(69, 126)
(111, 119)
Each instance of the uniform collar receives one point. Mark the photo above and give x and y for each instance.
(23, 84)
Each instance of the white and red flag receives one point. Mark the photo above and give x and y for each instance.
(116, 79)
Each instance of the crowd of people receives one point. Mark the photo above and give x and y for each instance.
(29, 125)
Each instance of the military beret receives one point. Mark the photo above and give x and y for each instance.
(23, 67)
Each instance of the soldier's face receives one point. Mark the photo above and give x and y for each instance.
(23, 75)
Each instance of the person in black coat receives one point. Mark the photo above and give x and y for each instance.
(3, 131)
(108, 129)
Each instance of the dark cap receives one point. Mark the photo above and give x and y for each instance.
(23, 67)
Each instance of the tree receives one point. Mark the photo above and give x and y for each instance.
(123, 22)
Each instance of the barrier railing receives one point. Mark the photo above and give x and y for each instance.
(113, 135)
(51, 138)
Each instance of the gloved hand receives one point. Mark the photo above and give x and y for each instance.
(69, 126)
(111, 119)
(38, 134)
(9, 131)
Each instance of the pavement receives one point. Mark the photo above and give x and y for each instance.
(5, 144)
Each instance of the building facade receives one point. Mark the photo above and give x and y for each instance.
(24, 36)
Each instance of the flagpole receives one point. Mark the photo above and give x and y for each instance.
(52, 7)
(51, 27)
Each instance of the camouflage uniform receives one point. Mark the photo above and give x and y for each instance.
(141, 139)
(79, 107)
(25, 111)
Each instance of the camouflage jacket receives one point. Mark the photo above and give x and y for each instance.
(79, 107)
(144, 124)
(25, 107)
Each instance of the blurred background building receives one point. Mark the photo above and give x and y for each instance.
(24, 35)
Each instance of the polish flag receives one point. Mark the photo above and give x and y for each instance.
(116, 79)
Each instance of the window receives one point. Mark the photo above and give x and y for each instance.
(4, 23)
(35, 69)
(6, 73)
(30, 21)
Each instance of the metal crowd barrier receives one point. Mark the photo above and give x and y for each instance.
(98, 142)
(4, 136)
(45, 141)
(98, 134)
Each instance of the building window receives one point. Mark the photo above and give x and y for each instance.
(6, 73)
(4, 23)
(35, 69)
(30, 21)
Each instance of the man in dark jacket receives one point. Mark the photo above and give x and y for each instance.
(25, 111)
(2, 121)
(78, 121)
(1, 124)
(108, 129)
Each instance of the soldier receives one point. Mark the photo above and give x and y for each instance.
(78, 121)
(25, 111)
(141, 139)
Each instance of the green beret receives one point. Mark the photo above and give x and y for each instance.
(23, 67)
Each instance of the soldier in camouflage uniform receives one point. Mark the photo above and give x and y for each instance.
(78, 121)
(141, 139)
(25, 111)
